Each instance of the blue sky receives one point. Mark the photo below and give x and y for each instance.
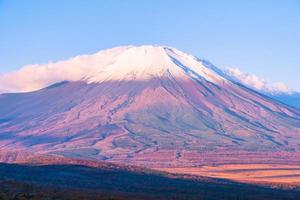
(260, 37)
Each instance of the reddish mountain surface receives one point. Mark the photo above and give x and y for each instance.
(149, 105)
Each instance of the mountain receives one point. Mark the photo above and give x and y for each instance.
(145, 104)
(292, 99)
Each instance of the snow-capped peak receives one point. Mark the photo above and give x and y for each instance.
(119, 63)
(146, 62)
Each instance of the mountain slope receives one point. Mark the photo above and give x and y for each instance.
(147, 100)
(292, 99)
(278, 91)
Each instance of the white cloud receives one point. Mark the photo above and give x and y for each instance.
(34, 77)
(256, 82)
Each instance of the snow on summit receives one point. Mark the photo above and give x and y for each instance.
(146, 62)
(119, 63)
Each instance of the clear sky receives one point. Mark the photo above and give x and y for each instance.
(257, 36)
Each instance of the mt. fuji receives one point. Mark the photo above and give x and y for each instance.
(145, 104)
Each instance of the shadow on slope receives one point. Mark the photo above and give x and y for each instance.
(81, 182)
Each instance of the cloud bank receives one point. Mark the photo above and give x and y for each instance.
(34, 77)
(257, 83)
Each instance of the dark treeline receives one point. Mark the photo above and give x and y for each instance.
(80, 182)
